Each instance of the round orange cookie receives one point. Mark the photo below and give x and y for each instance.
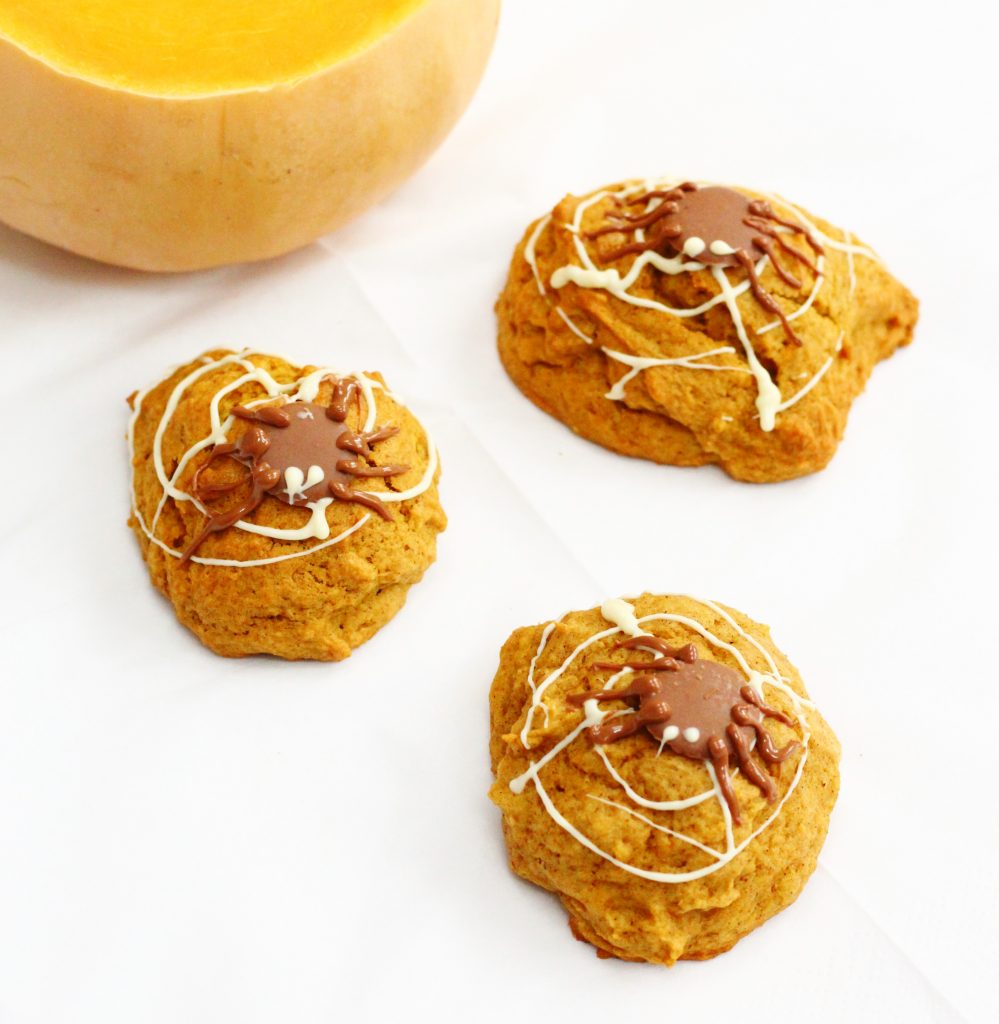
(695, 323)
(660, 768)
(281, 510)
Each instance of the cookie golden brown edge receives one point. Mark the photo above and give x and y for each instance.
(282, 510)
(691, 323)
(660, 768)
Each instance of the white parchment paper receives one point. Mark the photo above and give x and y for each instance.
(184, 838)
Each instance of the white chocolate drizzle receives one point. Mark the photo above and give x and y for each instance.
(297, 480)
(621, 613)
(586, 274)
(820, 267)
(567, 320)
(530, 251)
(530, 257)
(639, 363)
(815, 378)
(767, 392)
(849, 263)
(693, 247)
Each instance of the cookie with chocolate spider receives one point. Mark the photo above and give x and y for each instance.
(282, 510)
(694, 323)
(660, 768)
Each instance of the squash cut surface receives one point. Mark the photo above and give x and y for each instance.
(197, 47)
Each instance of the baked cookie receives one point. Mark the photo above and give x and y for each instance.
(694, 323)
(660, 769)
(282, 510)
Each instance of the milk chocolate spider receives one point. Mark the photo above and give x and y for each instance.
(716, 226)
(306, 446)
(700, 709)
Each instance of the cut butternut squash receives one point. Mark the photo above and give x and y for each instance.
(173, 135)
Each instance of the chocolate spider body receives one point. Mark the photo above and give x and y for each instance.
(718, 227)
(299, 453)
(699, 709)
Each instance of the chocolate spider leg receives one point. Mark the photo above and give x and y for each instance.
(646, 197)
(261, 477)
(381, 434)
(785, 275)
(205, 492)
(625, 250)
(579, 699)
(355, 468)
(615, 729)
(614, 223)
(648, 713)
(635, 690)
(614, 228)
(348, 441)
(215, 524)
(750, 768)
(360, 442)
(342, 492)
(747, 715)
(654, 712)
(761, 208)
(272, 415)
(628, 222)
(663, 235)
(265, 476)
(762, 296)
(657, 665)
(343, 391)
(208, 492)
(668, 660)
(749, 695)
(769, 750)
(644, 220)
(718, 751)
(658, 193)
(641, 688)
(759, 224)
(687, 653)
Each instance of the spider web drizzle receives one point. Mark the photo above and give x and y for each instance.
(592, 715)
(303, 388)
(587, 274)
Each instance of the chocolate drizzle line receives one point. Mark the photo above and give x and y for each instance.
(700, 709)
(749, 227)
(281, 448)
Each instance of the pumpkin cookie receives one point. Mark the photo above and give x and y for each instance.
(694, 323)
(660, 769)
(281, 510)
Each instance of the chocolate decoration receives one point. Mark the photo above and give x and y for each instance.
(668, 657)
(704, 216)
(273, 415)
(701, 710)
(343, 392)
(298, 453)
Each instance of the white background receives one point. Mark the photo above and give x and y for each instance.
(184, 838)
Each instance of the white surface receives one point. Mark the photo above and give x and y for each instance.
(188, 839)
